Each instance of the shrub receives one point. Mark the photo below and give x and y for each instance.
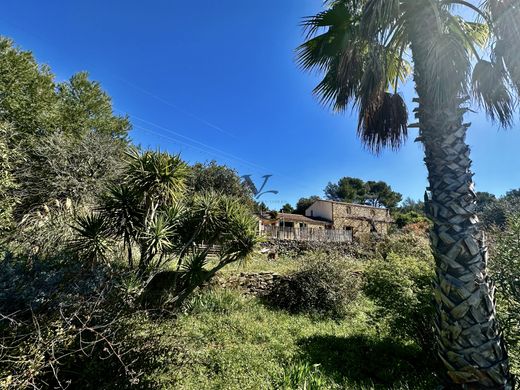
(504, 267)
(405, 244)
(402, 287)
(60, 324)
(324, 285)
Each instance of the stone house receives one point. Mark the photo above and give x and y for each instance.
(326, 220)
(353, 218)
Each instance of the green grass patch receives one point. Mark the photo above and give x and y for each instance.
(229, 341)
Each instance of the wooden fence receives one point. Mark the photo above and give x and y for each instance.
(306, 234)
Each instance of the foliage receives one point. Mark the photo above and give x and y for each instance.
(403, 219)
(406, 245)
(504, 267)
(410, 204)
(324, 285)
(494, 213)
(151, 210)
(287, 208)
(304, 203)
(83, 107)
(60, 324)
(218, 178)
(353, 190)
(45, 231)
(302, 376)
(65, 167)
(402, 287)
(64, 141)
(7, 181)
(28, 97)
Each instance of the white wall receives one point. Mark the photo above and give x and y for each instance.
(320, 210)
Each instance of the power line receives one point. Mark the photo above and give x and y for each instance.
(168, 103)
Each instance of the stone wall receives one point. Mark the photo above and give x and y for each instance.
(293, 248)
(254, 283)
(360, 218)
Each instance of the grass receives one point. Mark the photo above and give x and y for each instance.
(229, 341)
(259, 263)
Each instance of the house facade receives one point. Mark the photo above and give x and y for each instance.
(326, 220)
(359, 219)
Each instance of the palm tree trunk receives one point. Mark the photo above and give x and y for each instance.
(469, 340)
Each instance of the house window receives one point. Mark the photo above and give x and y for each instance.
(312, 213)
(348, 210)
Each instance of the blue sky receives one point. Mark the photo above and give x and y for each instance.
(218, 80)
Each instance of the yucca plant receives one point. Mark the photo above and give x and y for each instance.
(150, 210)
(454, 49)
(91, 241)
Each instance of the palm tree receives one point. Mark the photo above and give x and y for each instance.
(366, 50)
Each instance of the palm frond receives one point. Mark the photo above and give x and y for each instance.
(383, 122)
(448, 66)
(505, 16)
(337, 15)
(490, 90)
(378, 17)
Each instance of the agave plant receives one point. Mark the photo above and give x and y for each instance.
(366, 50)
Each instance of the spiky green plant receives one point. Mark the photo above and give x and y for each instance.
(149, 210)
(454, 49)
(91, 241)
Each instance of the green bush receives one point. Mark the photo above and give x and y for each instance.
(324, 285)
(402, 287)
(505, 271)
(60, 323)
(406, 218)
(405, 244)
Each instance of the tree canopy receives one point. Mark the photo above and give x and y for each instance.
(304, 203)
(354, 190)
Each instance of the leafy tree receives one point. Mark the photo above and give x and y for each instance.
(513, 194)
(494, 214)
(363, 47)
(219, 178)
(403, 219)
(64, 167)
(353, 190)
(410, 204)
(29, 101)
(287, 208)
(304, 203)
(84, 107)
(347, 189)
(484, 200)
(380, 194)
